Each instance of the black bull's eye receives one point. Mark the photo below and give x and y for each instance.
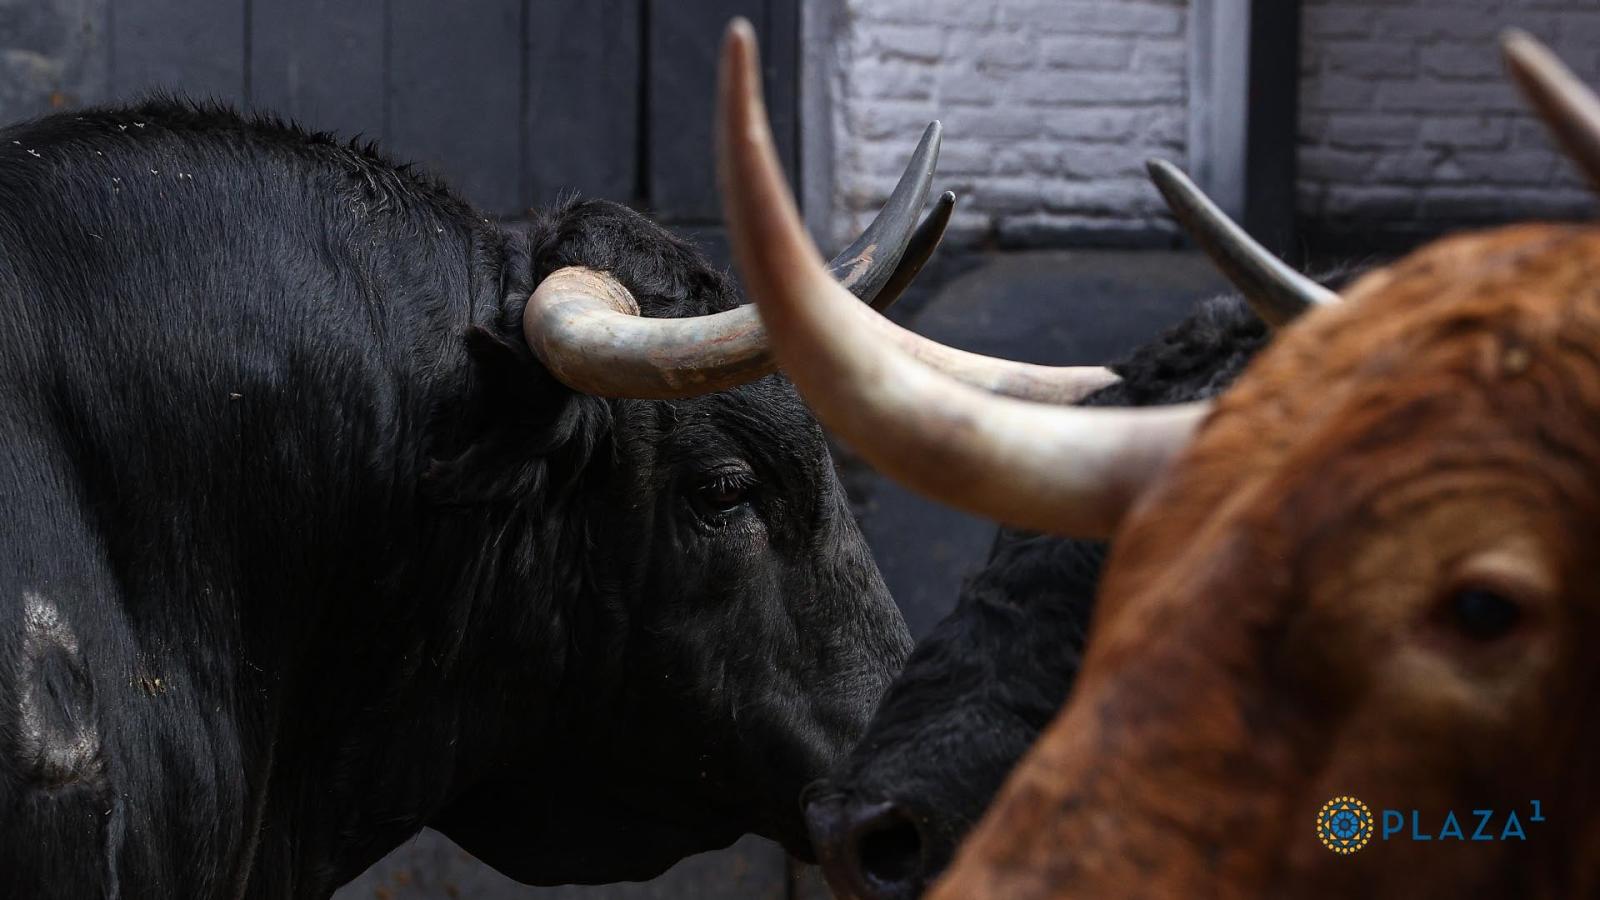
(1483, 614)
(722, 499)
(721, 494)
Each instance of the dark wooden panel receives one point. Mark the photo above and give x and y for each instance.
(583, 99)
(1271, 143)
(780, 65)
(455, 95)
(684, 42)
(320, 62)
(194, 46)
(57, 54)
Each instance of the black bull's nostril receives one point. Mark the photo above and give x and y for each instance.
(868, 850)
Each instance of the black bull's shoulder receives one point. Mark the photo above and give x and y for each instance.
(303, 550)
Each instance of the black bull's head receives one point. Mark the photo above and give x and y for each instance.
(757, 633)
(746, 633)
(735, 631)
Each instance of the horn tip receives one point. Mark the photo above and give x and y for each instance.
(1516, 40)
(1165, 176)
(739, 43)
(1525, 54)
(948, 198)
(740, 29)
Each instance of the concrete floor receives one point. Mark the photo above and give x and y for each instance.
(1056, 307)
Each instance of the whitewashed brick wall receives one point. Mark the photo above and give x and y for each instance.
(1050, 109)
(1408, 123)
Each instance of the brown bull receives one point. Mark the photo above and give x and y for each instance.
(1373, 573)
(1370, 571)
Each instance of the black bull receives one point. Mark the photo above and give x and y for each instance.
(303, 550)
(983, 684)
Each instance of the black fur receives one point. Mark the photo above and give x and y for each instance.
(303, 550)
(983, 684)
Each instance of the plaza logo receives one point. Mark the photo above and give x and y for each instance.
(1345, 825)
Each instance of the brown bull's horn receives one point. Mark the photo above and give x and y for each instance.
(1060, 469)
(1277, 293)
(1568, 107)
(871, 260)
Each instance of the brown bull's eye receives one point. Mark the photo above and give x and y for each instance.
(1483, 614)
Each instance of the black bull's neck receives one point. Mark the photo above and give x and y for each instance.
(276, 628)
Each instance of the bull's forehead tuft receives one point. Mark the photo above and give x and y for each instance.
(1469, 312)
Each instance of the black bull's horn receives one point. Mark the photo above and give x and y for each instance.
(586, 327)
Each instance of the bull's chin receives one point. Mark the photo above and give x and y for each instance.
(787, 831)
(593, 839)
(532, 834)
(584, 852)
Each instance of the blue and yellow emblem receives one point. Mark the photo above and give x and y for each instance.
(1344, 825)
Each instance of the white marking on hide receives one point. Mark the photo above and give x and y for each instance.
(42, 625)
(57, 754)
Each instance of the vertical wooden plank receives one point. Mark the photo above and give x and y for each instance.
(53, 54)
(780, 76)
(684, 43)
(455, 95)
(1272, 138)
(582, 117)
(196, 47)
(319, 62)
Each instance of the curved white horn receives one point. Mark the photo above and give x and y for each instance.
(586, 329)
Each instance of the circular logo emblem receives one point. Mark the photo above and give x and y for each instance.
(1344, 825)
